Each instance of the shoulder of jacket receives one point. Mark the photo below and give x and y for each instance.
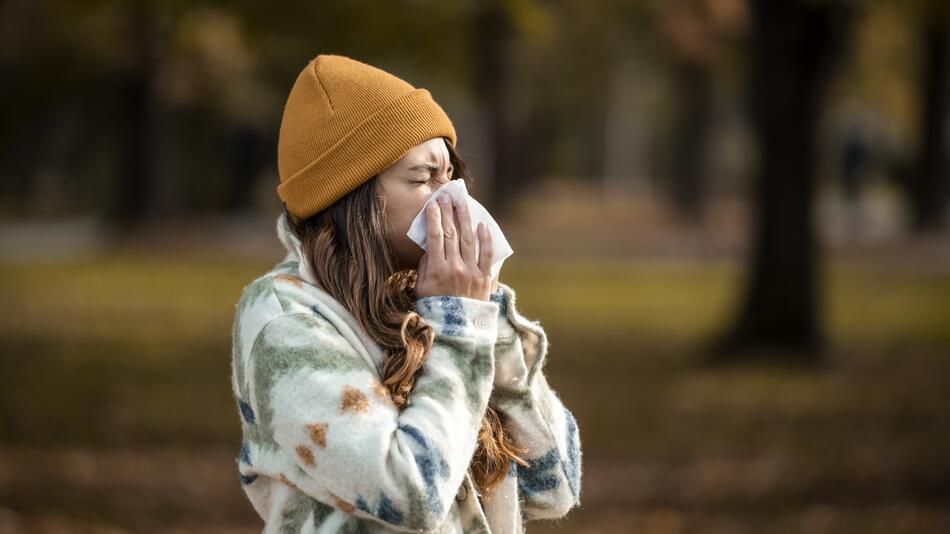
(277, 294)
(280, 283)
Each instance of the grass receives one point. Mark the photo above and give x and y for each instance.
(117, 410)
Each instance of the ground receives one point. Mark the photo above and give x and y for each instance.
(118, 416)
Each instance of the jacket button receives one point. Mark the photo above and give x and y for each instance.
(462, 493)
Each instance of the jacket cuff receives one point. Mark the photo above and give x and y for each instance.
(452, 315)
(521, 346)
(498, 297)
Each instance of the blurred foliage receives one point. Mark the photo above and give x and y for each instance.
(218, 70)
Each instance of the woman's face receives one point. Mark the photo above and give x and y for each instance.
(406, 185)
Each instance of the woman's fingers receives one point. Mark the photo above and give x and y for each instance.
(486, 252)
(434, 246)
(450, 234)
(423, 266)
(466, 235)
(442, 270)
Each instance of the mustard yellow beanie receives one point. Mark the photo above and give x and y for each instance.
(344, 122)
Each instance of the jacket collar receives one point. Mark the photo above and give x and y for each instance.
(325, 304)
(293, 247)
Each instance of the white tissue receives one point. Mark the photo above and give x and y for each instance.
(457, 190)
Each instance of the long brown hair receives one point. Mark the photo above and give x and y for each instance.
(351, 258)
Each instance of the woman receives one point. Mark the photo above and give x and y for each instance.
(382, 389)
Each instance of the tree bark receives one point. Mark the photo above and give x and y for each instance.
(493, 34)
(694, 85)
(793, 47)
(929, 189)
(130, 201)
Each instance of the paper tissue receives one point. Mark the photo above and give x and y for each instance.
(457, 190)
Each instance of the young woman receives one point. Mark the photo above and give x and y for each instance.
(380, 388)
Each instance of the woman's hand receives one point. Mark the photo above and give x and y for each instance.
(449, 265)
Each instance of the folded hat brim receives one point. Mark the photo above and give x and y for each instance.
(369, 148)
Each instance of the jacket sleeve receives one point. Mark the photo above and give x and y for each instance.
(325, 408)
(535, 417)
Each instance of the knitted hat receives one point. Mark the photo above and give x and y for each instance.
(344, 122)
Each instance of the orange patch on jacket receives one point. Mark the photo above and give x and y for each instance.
(305, 454)
(343, 505)
(318, 434)
(290, 279)
(353, 400)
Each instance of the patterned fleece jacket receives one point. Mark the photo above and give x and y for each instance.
(326, 450)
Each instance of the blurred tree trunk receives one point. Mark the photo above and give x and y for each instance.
(698, 35)
(793, 47)
(931, 183)
(130, 201)
(691, 136)
(492, 33)
(247, 147)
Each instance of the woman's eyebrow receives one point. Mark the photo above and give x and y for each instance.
(424, 166)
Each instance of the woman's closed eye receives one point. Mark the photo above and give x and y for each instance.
(432, 169)
(432, 178)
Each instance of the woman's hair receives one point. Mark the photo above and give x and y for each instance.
(351, 259)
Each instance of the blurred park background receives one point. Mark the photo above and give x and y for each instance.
(731, 216)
